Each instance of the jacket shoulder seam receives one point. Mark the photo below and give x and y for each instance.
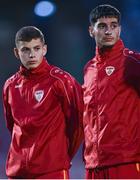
(57, 73)
(129, 53)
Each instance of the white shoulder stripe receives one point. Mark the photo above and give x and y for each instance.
(61, 82)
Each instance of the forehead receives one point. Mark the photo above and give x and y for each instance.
(107, 20)
(30, 44)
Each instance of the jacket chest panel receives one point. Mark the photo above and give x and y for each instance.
(31, 100)
(103, 81)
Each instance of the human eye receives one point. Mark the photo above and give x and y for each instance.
(37, 48)
(114, 25)
(101, 26)
(25, 49)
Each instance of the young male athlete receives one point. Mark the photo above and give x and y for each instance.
(43, 110)
(111, 101)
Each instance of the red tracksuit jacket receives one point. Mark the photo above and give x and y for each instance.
(112, 107)
(43, 110)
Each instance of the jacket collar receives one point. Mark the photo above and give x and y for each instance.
(31, 73)
(110, 53)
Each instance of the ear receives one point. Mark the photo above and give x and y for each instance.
(91, 31)
(44, 49)
(120, 28)
(16, 53)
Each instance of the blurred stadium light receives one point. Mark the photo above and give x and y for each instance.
(44, 8)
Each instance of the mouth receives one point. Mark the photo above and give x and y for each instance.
(108, 39)
(32, 62)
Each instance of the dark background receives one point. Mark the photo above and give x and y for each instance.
(69, 45)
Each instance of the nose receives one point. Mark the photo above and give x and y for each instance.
(108, 30)
(32, 54)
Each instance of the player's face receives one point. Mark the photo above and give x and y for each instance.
(106, 31)
(30, 53)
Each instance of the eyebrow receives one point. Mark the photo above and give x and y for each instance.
(29, 47)
(113, 22)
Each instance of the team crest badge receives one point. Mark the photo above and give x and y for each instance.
(39, 95)
(109, 70)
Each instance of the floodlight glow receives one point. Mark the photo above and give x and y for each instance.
(44, 8)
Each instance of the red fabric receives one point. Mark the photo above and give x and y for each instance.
(112, 107)
(63, 174)
(56, 175)
(127, 171)
(43, 110)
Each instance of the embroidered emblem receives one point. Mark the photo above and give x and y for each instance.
(109, 70)
(39, 95)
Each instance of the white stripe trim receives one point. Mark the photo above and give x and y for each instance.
(62, 84)
(48, 92)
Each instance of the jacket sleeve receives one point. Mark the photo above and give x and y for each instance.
(132, 69)
(7, 108)
(70, 95)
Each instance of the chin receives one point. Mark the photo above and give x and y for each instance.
(32, 67)
(108, 45)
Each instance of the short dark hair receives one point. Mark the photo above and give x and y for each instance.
(104, 10)
(28, 33)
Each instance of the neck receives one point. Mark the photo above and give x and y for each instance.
(109, 51)
(105, 48)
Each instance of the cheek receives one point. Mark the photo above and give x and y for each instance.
(39, 55)
(99, 36)
(23, 57)
(117, 33)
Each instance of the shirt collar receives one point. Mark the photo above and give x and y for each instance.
(109, 53)
(42, 68)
